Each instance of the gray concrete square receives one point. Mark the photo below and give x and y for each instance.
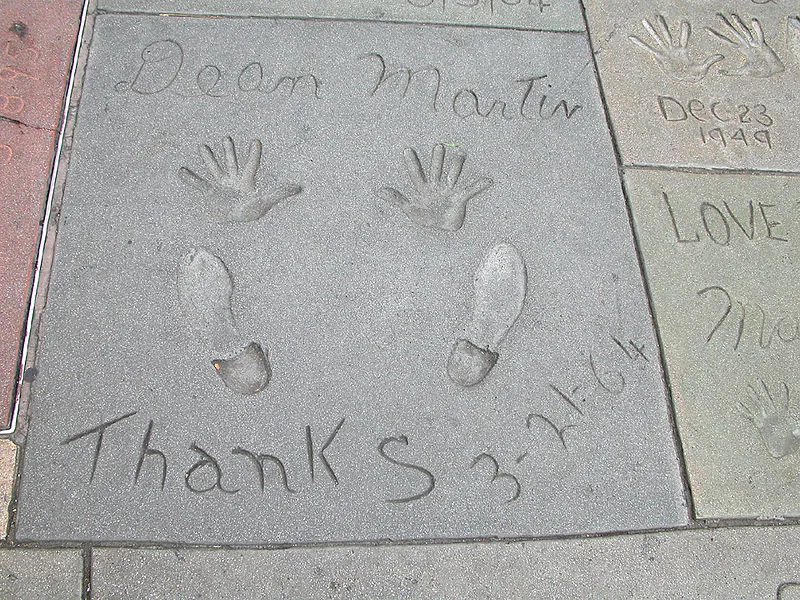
(698, 83)
(394, 295)
(41, 574)
(719, 252)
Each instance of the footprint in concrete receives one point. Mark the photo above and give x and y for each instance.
(778, 429)
(247, 372)
(500, 284)
(205, 288)
(232, 186)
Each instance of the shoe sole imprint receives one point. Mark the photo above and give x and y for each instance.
(205, 288)
(501, 284)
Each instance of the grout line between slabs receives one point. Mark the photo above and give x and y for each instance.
(134, 13)
(86, 579)
(676, 439)
(697, 526)
(710, 170)
(44, 258)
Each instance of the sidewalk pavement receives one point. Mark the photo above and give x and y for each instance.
(459, 299)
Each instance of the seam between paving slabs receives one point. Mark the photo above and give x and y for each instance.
(711, 170)
(687, 490)
(86, 579)
(210, 15)
(698, 526)
(75, 83)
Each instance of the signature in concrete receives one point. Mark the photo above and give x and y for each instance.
(219, 471)
(391, 81)
(599, 382)
(753, 326)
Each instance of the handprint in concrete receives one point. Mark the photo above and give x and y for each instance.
(501, 284)
(672, 53)
(778, 429)
(438, 200)
(205, 288)
(231, 186)
(759, 59)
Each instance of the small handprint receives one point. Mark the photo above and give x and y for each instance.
(233, 186)
(760, 59)
(439, 201)
(672, 54)
(778, 429)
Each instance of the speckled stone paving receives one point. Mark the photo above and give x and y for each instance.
(395, 315)
(701, 84)
(344, 277)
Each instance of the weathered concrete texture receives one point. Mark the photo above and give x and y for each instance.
(41, 574)
(309, 340)
(550, 15)
(719, 253)
(8, 466)
(36, 43)
(682, 95)
(746, 564)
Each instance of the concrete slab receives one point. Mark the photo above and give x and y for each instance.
(718, 251)
(721, 93)
(322, 339)
(550, 15)
(38, 574)
(25, 157)
(747, 564)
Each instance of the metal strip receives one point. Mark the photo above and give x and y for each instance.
(45, 223)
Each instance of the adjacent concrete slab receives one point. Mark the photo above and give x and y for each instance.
(36, 43)
(550, 15)
(718, 253)
(748, 564)
(281, 346)
(701, 83)
(39, 574)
